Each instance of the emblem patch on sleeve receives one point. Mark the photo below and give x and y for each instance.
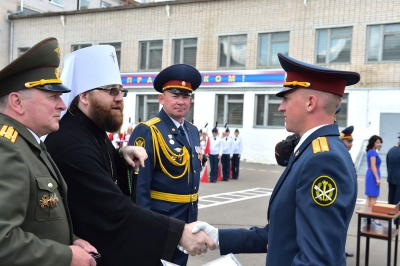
(324, 190)
(139, 141)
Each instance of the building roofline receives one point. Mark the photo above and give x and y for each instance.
(107, 9)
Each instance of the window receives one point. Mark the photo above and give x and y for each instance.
(117, 46)
(83, 4)
(383, 43)
(232, 51)
(58, 2)
(22, 50)
(189, 116)
(341, 117)
(184, 51)
(105, 4)
(333, 45)
(229, 109)
(269, 45)
(75, 47)
(150, 55)
(146, 106)
(266, 109)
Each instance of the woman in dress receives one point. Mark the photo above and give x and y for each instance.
(373, 175)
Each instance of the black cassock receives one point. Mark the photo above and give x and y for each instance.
(98, 197)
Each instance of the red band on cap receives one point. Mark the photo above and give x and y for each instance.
(321, 82)
(178, 84)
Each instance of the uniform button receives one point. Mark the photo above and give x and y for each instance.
(194, 171)
(195, 188)
(50, 185)
(192, 156)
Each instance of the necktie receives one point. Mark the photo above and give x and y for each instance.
(215, 138)
(183, 133)
(226, 138)
(235, 139)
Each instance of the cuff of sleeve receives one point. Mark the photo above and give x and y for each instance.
(173, 236)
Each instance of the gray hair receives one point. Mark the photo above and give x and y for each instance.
(4, 99)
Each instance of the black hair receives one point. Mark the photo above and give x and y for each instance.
(371, 142)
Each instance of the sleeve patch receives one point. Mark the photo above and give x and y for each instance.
(9, 133)
(139, 141)
(324, 191)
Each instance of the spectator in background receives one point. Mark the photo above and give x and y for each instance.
(393, 167)
(226, 154)
(373, 175)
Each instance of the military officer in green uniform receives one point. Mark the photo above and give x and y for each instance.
(35, 224)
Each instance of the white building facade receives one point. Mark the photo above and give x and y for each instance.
(234, 45)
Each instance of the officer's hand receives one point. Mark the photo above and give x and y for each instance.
(134, 155)
(195, 243)
(81, 257)
(85, 245)
(210, 230)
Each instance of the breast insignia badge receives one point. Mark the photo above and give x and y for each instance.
(324, 191)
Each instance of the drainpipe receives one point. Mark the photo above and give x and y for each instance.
(12, 30)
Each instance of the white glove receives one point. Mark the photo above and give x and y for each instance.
(210, 230)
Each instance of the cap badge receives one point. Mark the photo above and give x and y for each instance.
(183, 83)
(57, 50)
(57, 73)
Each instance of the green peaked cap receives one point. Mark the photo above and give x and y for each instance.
(37, 68)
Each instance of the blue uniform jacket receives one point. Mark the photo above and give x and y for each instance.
(393, 165)
(151, 177)
(309, 210)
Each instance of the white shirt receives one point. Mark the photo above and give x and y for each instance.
(227, 145)
(237, 145)
(305, 136)
(215, 145)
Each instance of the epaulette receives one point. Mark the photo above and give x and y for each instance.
(152, 121)
(320, 145)
(9, 133)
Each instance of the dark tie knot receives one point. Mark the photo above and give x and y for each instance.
(182, 131)
(215, 138)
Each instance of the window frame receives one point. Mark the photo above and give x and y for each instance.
(117, 50)
(267, 102)
(148, 49)
(104, 4)
(146, 101)
(225, 108)
(381, 42)
(80, 46)
(228, 56)
(269, 48)
(182, 47)
(328, 45)
(54, 2)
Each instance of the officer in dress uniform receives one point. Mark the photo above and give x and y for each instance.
(237, 148)
(169, 182)
(215, 154)
(35, 222)
(226, 154)
(313, 201)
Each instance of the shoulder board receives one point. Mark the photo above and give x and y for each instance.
(320, 145)
(152, 121)
(9, 133)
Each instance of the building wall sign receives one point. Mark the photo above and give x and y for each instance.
(238, 78)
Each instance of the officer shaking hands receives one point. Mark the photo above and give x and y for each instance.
(169, 182)
(313, 201)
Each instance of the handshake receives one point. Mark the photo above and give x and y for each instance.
(195, 242)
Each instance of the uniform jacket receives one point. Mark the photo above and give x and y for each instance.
(215, 145)
(393, 165)
(29, 234)
(153, 178)
(301, 231)
(227, 146)
(123, 233)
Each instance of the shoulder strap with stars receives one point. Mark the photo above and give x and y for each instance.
(9, 133)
